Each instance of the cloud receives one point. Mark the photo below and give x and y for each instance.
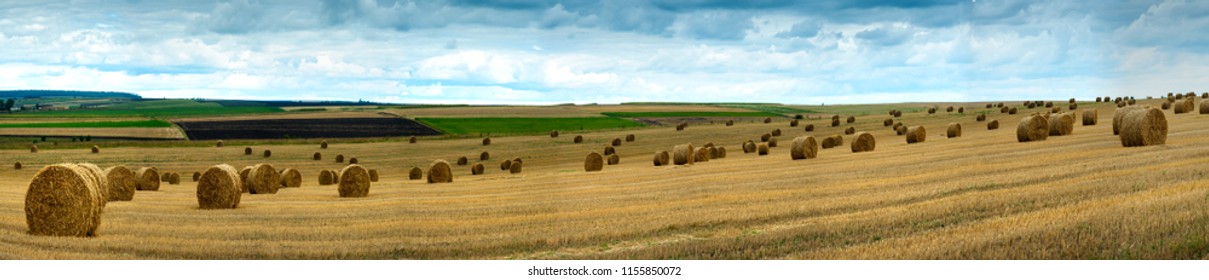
(888, 35)
(720, 25)
(235, 17)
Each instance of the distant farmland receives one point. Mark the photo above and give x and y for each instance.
(465, 126)
(688, 114)
(117, 124)
(159, 109)
(304, 128)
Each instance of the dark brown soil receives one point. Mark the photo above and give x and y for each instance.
(305, 128)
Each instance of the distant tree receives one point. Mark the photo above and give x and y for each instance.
(8, 104)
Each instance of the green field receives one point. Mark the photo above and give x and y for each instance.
(504, 126)
(688, 114)
(146, 123)
(158, 109)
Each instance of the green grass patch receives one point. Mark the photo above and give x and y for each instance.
(146, 123)
(777, 109)
(688, 114)
(506, 126)
(157, 109)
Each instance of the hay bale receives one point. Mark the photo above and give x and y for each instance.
(147, 179)
(33, 148)
(440, 172)
(506, 164)
(462, 161)
(609, 150)
(354, 181)
(353, 160)
(616, 142)
(850, 130)
(1098, 99)
(683, 154)
(219, 188)
(317, 156)
(809, 127)
(981, 117)
(1118, 115)
(415, 174)
(954, 130)
(793, 123)
(776, 132)
(579, 139)
(247, 151)
(373, 175)
(1012, 111)
(892, 112)
(196, 175)
(764, 137)
(1133, 101)
(1055, 110)
(1205, 95)
(898, 114)
(961, 110)
(263, 179)
(916, 134)
(291, 178)
(1032, 128)
(932, 110)
(484, 156)
(730, 122)
(268, 153)
(863, 142)
(243, 177)
(661, 158)
(486, 141)
(1205, 106)
(835, 123)
(96, 149)
(339, 158)
(17, 165)
(120, 183)
(1061, 124)
(749, 147)
(218, 144)
(1091, 117)
(1074, 106)
(476, 169)
(614, 159)
(64, 200)
(1143, 127)
(767, 120)
(326, 177)
(851, 119)
(516, 167)
(1185, 105)
(888, 122)
(323, 145)
(164, 176)
(900, 130)
(554, 134)
(772, 143)
(630, 138)
(681, 126)
(721, 152)
(595, 162)
(713, 152)
(1003, 110)
(412, 140)
(701, 154)
(1049, 104)
(949, 109)
(803, 147)
(174, 179)
(708, 144)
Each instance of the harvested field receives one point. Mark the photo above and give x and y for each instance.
(304, 128)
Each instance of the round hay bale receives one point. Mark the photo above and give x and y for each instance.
(476, 169)
(863, 142)
(354, 181)
(683, 154)
(949, 109)
(164, 176)
(415, 174)
(263, 179)
(701, 154)
(850, 130)
(749, 147)
(1143, 127)
(1072, 100)
(1003, 109)
(96, 149)
(767, 120)
(64, 200)
(353, 160)
(196, 176)
(892, 112)
(961, 110)
(1055, 110)
(835, 123)
(1049, 104)
(1061, 124)
(661, 158)
(17, 165)
(1012, 111)
(486, 141)
(851, 119)
(630, 138)
(762, 149)
(462, 161)
(147, 179)
(954, 130)
(291, 178)
(1133, 101)
(681, 126)
(772, 143)
(440, 172)
(121, 183)
(516, 167)
(1000, 104)
(609, 150)
(317, 156)
(832, 142)
(713, 152)
(247, 151)
(326, 177)
(506, 164)
(730, 122)
(932, 110)
(594, 162)
(579, 139)
(1074, 106)
(616, 142)
(484, 156)
(900, 130)
(174, 178)
(721, 152)
(1205, 95)
(412, 140)
(554, 134)
(989, 105)
(1098, 99)
(323, 145)
(793, 123)
(1183, 106)
(243, 177)
(916, 134)
(1205, 106)
(993, 125)
(614, 159)
(1032, 128)
(33, 148)
(776, 132)
(981, 117)
(803, 147)
(339, 158)
(764, 137)
(218, 144)
(218, 188)
(809, 127)
(888, 122)
(898, 114)
(373, 175)
(1118, 115)
(268, 153)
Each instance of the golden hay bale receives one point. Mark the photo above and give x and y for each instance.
(1185, 105)
(243, 177)
(989, 105)
(898, 114)
(1003, 109)
(863, 142)
(516, 167)
(484, 156)
(851, 119)
(268, 153)
(961, 110)
(614, 159)
(616, 142)
(121, 184)
(218, 144)
(164, 176)
(1032, 128)
(916, 134)
(17, 165)
(247, 151)
(263, 179)
(476, 169)
(849, 131)
(1205, 106)
(609, 150)
(1091, 117)
(1205, 95)
(463, 161)
(1098, 99)
(835, 123)
(440, 172)
(1000, 104)
(323, 145)
(949, 109)
(900, 130)
(762, 149)
(772, 143)
(1012, 111)
(888, 122)
(630, 138)
(981, 117)
(373, 175)
(196, 175)
(147, 179)
(64, 200)
(412, 140)
(326, 177)
(415, 174)
(506, 164)
(803, 147)
(33, 148)
(1061, 124)
(993, 125)
(174, 179)
(832, 142)
(764, 137)
(1049, 104)
(954, 130)
(354, 181)
(218, 188)
(701, 154)
(1055, 110)
(1074, 106)
(579, 139)
(932, 110)
(486, 141)
(809, 127)
(681, 126)
(767, 120)
(96, 149)
(594, 162)
(661, 158)
(683, 154)
(1119, 114)
(892, 112)
(554, 134)
(730, 122)
(353, 160)
(721, 152)
(1166, 105)
(317, 156)
(749, 147)
(793, 123)
(339, 158)
(291, 178)
(713, 152)
(1143, 127)
(776, 132)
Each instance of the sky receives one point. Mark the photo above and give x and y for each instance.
(548, 52)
